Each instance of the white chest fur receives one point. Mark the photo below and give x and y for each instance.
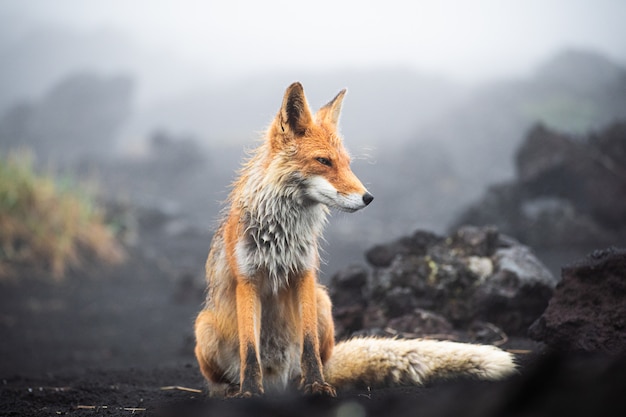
(280, 239)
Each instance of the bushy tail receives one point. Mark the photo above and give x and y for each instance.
(377, 362)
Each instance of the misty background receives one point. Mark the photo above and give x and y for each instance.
(156, 101)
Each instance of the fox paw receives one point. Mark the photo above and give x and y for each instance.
(234, 391)
(319, 388)
(246, 394)
(231, 391)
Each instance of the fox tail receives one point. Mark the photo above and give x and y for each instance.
(378, 363)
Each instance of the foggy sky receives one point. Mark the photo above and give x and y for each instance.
(187, 59)
(465, 40)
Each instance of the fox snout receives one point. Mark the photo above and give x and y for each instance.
(367, 198)
(352, 202)
(319, 189)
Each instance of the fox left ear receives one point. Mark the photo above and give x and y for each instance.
(295, 114)
(330, 112)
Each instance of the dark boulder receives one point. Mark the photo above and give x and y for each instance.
(588, 310)
(569, 191)
(590, 172)
(424, 283)
(348, 298)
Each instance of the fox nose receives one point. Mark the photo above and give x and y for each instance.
(367, 198)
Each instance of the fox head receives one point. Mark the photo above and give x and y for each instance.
(312, 147)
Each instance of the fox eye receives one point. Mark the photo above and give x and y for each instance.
(324, 161)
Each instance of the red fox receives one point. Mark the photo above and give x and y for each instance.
(267, 322)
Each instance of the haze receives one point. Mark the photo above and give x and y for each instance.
(466, 41)
(160, 97)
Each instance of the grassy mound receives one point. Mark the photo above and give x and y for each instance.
(47, 225)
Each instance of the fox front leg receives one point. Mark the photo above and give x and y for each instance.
(312, 381)
(248, 321)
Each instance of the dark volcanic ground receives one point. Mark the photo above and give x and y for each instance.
(119, 341)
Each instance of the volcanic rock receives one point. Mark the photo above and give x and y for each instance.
(424, 284)
(588, 310)
(569, 191)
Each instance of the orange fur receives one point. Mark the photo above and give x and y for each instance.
(266, 321)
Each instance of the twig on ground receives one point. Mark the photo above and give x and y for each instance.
(520, 351)
(179, 388)
(105, 407)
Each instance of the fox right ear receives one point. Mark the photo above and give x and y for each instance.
(295, 115)
(330, 112)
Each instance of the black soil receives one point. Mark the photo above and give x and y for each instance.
(119, 342)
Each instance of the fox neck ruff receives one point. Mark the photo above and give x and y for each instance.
(282, 225)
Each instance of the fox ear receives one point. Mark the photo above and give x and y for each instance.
(295, 114)
(329, 113)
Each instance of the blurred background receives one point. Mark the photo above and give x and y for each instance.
(156, 102)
